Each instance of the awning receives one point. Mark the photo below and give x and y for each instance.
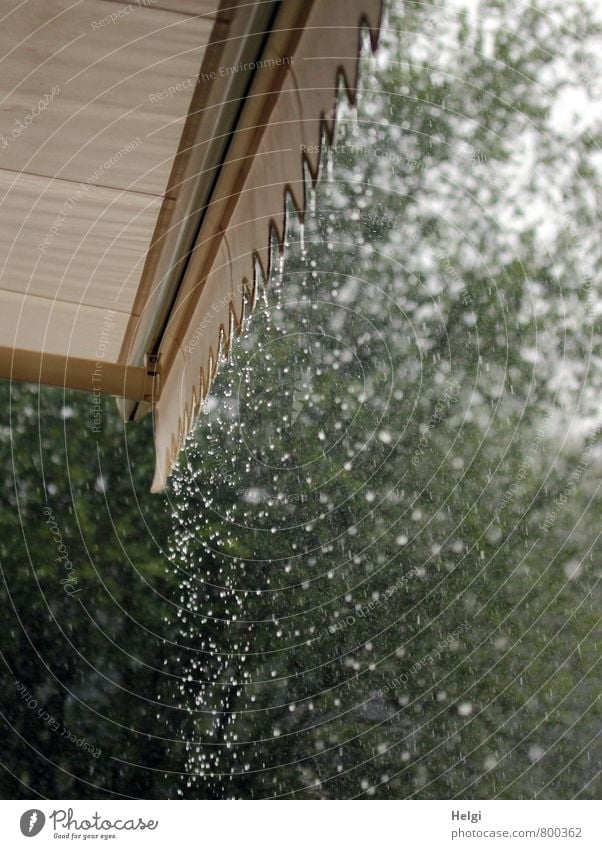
(145, 154)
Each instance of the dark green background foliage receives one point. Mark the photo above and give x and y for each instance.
(92, 660)
(375, 571)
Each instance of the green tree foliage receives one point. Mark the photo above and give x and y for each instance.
(362, 512)
(84, 594)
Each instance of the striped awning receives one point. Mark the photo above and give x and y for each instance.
(146, 150)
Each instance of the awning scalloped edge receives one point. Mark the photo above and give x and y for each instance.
(278, 148)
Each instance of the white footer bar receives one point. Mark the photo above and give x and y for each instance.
(304, 824)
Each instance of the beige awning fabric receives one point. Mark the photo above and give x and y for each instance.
(146, 150)
(94, 97)
(278, 136)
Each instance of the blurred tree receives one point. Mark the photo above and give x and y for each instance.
(83, 595)
(361, 514)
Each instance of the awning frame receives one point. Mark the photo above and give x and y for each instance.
(188, 371)
(100, 377)
(213, 116)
